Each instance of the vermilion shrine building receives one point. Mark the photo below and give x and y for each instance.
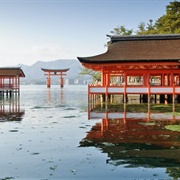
(10, 79)
(145, 65)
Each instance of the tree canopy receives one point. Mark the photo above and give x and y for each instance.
(166, 24)
(121, 30)
(96, 76)
(170, 22)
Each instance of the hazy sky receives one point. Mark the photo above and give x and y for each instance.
(47, 30)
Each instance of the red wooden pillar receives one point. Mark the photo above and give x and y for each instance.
(61, 81)
(106, 85)
(163, 80)
(125, 85)
(171, 78)
(173, 85)
(102, 80)
(13, 87)
(173, 98)
(177, 80)
(108, 81)
(144, 79)
(3, 83)
(18, 84)
(148, 85)
(48, 80)
(9, 85)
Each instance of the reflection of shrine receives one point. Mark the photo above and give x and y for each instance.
(10, 109)
(134, 140)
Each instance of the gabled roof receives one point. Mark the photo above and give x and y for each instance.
(138, 48)
(11, 71)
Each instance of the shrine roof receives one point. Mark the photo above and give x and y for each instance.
(11, 71)
(54, 70)
(138, 48)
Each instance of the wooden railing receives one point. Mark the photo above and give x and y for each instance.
(8, 86)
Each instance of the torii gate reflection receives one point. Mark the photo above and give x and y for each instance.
(54, 72)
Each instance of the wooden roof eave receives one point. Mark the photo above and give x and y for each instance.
(11, 72)
(21, 74)
(115, 38)
(99, 66)
(92, 60)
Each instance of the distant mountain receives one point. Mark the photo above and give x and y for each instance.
(34, 73)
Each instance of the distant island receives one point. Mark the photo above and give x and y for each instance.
(34, 74)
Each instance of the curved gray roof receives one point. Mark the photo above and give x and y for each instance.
(139, 49)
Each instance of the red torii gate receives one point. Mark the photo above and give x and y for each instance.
(54, 72)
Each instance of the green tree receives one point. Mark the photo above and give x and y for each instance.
(146, 29)
(121, 30)
(170, 22)
(141, 27)
(96, 76)
(166, 24)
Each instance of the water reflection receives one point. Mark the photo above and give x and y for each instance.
(137, 139)
(10, 109)
(53, 95)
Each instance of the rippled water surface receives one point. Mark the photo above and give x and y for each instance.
(46, 134)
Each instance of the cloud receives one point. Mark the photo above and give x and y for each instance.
(51, 52)
(29, 55)
(46, 50)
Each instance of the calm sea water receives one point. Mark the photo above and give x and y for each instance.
(46, 134)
